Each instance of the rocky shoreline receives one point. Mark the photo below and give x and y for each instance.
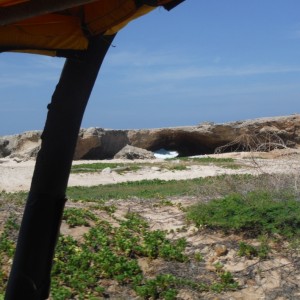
(262, 134)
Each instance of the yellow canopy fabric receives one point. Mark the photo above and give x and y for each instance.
(62, 32)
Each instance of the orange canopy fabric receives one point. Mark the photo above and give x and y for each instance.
(66, 31)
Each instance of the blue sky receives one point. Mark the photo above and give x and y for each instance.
(213, 60)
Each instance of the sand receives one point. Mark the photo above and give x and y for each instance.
(16, 175)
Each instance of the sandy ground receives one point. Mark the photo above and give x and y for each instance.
(15, 175)
(274, 278)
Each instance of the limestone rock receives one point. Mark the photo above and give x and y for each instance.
(262, 134)
(220, 250)
(3, 147)
(106, 170)
(98, 143)
(87, 140)
(25, 145)
(131, 152)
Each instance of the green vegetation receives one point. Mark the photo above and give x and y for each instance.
(251, 206)
(145, 189)
(160, 189)
(198, 257)
(6, 243)
(249, 251)
(7, 247)
(112, 253)
(78, 217)
(162, 286)
(207, 160)
(256, 213)
(228, 163)
(109, 252)
(183, 164)
(17, 199)
(226, 281)
(101, 205)
(157, 188)
(98, 167)
(178, 167)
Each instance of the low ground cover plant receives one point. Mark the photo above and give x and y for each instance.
(207, 160)
(78, 216)
(98, 167)
(14, 199)
(178, 164)
(111, 253)
(7, 249)
(255, 213)
(262, 251)
(157, 188)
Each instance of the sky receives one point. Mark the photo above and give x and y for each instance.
(204, 61)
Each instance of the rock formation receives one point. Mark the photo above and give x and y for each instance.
(131, 152)
(98, 143)
(262, 134)
(23, 145)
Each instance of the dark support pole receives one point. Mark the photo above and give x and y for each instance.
(30, 274)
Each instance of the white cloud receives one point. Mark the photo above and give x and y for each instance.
(26, 79)
(188, 73)
(217, 59)
(294, 32)
(48, 62)
(144, 59)
(29, 71)
(138, 66)
(13, 81)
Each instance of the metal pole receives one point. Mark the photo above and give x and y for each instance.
(30, 274)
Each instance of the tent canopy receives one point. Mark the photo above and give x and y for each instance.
(62, 28)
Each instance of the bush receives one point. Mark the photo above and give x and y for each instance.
(255, 213)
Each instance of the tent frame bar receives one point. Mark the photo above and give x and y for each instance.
(30, 273)
(32, 8)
